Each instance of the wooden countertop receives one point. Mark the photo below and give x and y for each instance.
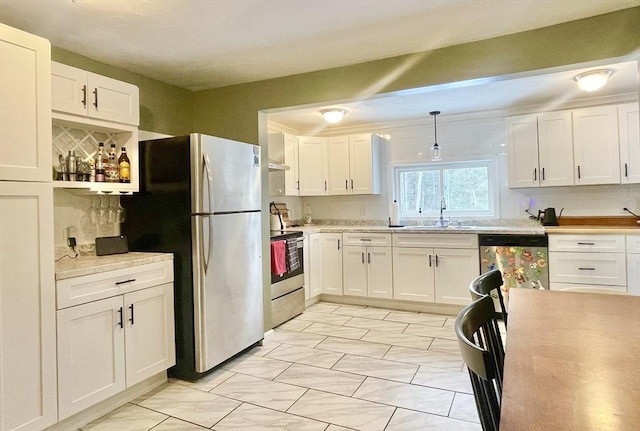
(572, 362)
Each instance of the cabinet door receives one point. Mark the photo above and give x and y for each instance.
(306, 259)
(595, 144)
(315, 263)
(69, 92)
(413, 274)
(522, 151)
(455, 268)
(331, 258)
(364, 164)
(379, 272)
(25, 106)
(291, 179)
(555, 146)
(91, 358)
(113, 100)
(338, 161)
(312, 166)
(633, 273)
(27, 307)
(150, 344)
(628, 125)
(354, 271)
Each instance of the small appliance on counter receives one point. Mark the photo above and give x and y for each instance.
(549, 217)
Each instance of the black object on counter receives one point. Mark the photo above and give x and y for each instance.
(107, 245)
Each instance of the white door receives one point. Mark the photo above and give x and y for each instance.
(555, 145)
(113, 100)
(25, 106)
(69, 92)
(379, 272)
(522, 151)
(364, 164)
(312, 166)
(91, 357)
(27, 307)
(150, 340)
(338, 165)
(628, 124)
(455, 268)
(315, 288)
(331, 258)
(595, 143)
(354, 270)
(412, 274)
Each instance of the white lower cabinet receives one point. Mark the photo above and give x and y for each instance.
(587, 262)
(331, 257)
(110, 344)
(367, 265)
(424, 273)
(312, 286)
(633, 264)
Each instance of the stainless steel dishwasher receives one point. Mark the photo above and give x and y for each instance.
(523, 260)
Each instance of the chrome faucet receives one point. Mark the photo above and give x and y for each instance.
(443, 206)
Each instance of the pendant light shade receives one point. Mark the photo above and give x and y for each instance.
(435, 149)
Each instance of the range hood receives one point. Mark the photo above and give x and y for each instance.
(275, 166)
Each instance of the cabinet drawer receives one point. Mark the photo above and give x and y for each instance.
(368, 239)
(588, 268)
(587, 243)
(442, 240)
(587, 288)
(79, 290)
(633, 244)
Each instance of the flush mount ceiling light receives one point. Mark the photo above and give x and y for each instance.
(333, 116)
(593, 80)
(435, 150)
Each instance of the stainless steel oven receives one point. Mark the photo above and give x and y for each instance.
(287, 289)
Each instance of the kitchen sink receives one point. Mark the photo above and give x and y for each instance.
(439, 228)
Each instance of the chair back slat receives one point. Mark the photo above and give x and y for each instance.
(485, 284)
(482, 351)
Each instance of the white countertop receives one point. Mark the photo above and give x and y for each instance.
(85, 265)
(518, 230)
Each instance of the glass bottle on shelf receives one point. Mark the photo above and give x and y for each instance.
(124, 166)
(112, 166)
(100, 168)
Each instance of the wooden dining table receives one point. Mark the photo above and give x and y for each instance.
(572, 362)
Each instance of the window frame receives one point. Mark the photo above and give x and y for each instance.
(491, 163)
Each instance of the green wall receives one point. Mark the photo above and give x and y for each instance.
(164, 108)
(232, 111)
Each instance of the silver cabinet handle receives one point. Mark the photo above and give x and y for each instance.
(626, 170)
(325, 185)
(436, 260)
(586, 269)
(351, 184)
(346, 184)
(535, 174)
(338, 244)
(363, 257)
(84, 96)
(368, 257)
(542, 174)
(95, 93)
(578, 171)
(586, 243)
(365, 239)
(429, 260)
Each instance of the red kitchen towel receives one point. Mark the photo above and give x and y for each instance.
(278, 259)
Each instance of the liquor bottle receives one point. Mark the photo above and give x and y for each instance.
(111, 170)
(124, 166)
(100, 174)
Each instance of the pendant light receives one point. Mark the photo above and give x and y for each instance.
(435, 150)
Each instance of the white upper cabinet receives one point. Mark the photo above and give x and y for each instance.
(291, 177)
(312, 166)
(539, 150)
(354, 164)
(25, 106)
(628, 119)
(78, 92)
(595, 142)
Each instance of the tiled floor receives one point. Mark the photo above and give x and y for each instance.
(332, 368)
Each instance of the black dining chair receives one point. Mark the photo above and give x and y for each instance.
(482, 351)
(484, 284)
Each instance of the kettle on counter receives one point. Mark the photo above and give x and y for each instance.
(549, 217)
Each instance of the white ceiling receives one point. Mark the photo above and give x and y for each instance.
(201, 44)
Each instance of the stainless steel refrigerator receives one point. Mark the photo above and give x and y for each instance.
(200, 200)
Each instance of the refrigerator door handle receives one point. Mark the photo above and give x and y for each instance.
(206, 174)
(206, 257)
